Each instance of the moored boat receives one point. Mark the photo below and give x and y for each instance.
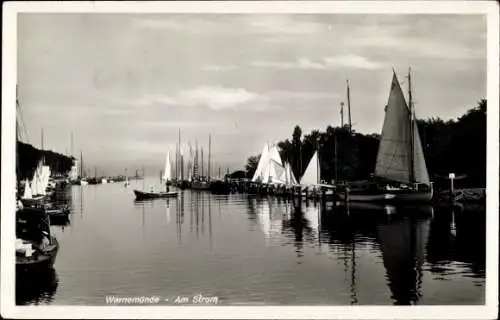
(400, 172)
(142, 195)
(36, 248)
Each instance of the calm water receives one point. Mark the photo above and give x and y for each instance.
(260, 251)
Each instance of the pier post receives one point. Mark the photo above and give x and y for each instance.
(451, 176)
(346, 192)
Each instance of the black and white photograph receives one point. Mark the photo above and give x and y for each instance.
(285, 159)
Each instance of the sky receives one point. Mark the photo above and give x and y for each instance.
(124, 84)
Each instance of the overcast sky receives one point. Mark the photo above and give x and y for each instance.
(125, 83)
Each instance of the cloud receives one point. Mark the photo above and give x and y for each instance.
(180, 124)
(293, 95)
(327, 63)
(267, 24)
(217, 98)
(218, 68)
(282, 24)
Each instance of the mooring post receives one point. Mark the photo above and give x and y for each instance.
(452, 191)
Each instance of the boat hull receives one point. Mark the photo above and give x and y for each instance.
(388, 196)
(200, 186)
(40, 262)
(141, 195)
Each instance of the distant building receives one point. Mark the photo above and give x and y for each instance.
(73, 174)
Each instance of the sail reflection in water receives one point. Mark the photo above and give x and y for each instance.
(260, 250)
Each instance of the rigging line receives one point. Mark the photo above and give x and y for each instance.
(21, 117)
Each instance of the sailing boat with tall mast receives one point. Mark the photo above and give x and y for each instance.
(400, 172)
(167, 177)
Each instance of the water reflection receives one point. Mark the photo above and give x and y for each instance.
(36, 288)
(410, 239)
(305, 251)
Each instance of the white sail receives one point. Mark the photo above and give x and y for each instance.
(311, 175)
(275, 155)
(394, 153)
(287, 176)
(290, 175)
(45, 177)
(261, 167)
(167, 175)
(37, 182)
(28, 194)
(419, 166)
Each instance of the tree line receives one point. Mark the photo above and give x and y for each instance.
(457, 146)
(27, 158)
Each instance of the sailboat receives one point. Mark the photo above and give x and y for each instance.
(270, 169)
(311, 179)
(35, 193)
(400, 172)
(142, 195)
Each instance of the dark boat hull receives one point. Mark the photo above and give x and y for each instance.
(200, 186)
(39, 262)
(392, 196)
(141, 195)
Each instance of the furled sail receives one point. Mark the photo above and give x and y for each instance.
(394, 153)
(311, 175)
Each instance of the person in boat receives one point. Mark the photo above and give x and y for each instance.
(167, 187)
(45, 240)
(152, 189)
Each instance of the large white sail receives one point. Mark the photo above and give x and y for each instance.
(261, 167)
(275, 155)
(167, 175)
(394, 153)
(311, 175)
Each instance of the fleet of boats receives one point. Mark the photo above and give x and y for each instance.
(400, 176)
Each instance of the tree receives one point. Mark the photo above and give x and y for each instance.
(251, 166)
(296, 154)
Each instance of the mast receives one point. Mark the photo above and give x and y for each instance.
(71, 143)
(349, 106)
(196, 161)
(336, 166)
(18, 168)
(342, 114)
(412, 128)
(202, 172)
(42, 150)
(181, 171)
(143, 178)
(209, 151)
(318, 177)
(81, 164)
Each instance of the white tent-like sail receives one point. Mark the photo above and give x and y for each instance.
(37, 184)
(28, 194)
(287, 175)
(167, 175)
(261, 167)
(275, 155)
(311, 175)
(45, 177)
(394, 158)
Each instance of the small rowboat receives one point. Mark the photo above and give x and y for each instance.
(141, 195)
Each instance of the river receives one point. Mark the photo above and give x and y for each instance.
(260, 251)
